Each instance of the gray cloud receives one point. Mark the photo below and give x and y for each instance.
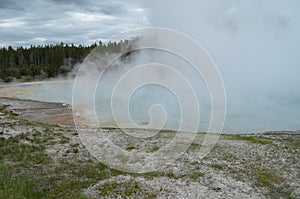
(52, 21)
(106, 7)
(8, 4)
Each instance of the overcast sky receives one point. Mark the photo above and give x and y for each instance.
(26, 22)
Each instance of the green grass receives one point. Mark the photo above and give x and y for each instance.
(75, 145)
(195, 175)
(293, 142)
(130, 148)
(194, 145)
(124, 190)
(155, 148)
(229, 157)
(266, 178)
(273, 182)
(218, 166)
(251, 139)
(26, 171)
(64, 139)
(12, 150)
(21, 186)
(15, 179)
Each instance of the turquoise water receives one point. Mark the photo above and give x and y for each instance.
(244, 114)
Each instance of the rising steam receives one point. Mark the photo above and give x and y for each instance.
(256, 46)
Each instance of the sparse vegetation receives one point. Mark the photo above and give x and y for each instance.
(251, 139)
(17, 156)
(74, 145)
(266, 178)
(293, 143)
(48, 161)
(218, 166)
(21, 186)
(195, 175)
(124, 190)
(154, 148)
(64, 141)
(276, 185)
(194, 145)
(130, 148)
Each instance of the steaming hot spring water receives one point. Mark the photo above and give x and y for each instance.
(245, 114)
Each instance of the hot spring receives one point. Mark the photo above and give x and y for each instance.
(245, 115)
(249, 110)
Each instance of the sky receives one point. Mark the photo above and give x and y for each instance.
(37, 22)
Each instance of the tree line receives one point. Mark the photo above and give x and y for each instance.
(46, 61)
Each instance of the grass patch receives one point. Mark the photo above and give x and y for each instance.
(194, 145)
(155, 148)
(293, 142)
(74, 145)
(251, 139)
(154, 174)
(64, 141)
(21, 186)
(273, 182)
(195, 175)
(130, 148)
(229, 157)
(266, 178)
(150, 174)
(218, 166)
(123, 190)
(26, 171)
(11, 149)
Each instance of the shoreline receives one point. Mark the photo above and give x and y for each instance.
(61, 114)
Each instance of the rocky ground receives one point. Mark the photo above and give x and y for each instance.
(42, 156)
